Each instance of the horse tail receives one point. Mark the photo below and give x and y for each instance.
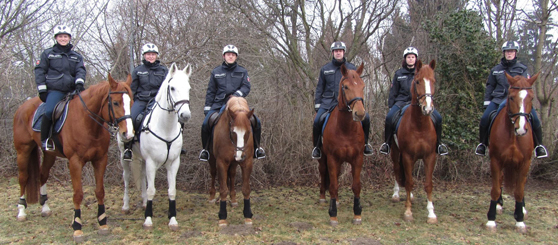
(33, 176)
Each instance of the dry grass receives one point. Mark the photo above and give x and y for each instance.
(285, 215)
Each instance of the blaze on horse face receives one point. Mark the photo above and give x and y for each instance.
(352, 92)
(424, 86)
(520, 98)
(121, 104)
(240, 130)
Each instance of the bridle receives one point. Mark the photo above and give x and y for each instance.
(231, 138)
(350, 102)
(113, 121)
(170, 101)
(511, 116)
(419, 97)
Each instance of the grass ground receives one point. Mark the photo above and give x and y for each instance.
(287, 215)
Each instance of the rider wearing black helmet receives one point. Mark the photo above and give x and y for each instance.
(497, 92)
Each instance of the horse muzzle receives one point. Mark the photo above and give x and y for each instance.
(239, 156)
(426, 110)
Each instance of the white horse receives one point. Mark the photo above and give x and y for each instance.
(160, 143)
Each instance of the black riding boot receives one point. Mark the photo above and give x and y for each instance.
(481, 148)
(540, 150)
(384, 148)
(259, 152)
(127, 156)
(45, 134)
(204, 154)
(366, 128)
(316, 134)
(441, 148)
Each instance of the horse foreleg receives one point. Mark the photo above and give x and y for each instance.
(150, 170)
(126, 172)
(246, 171)
(172, 170)
(408, 163)
(99, 168)
(76, 167)
(324, 177)
(213, 171)
(519, 194)
(48, 162)
(333, 192)
(357, 208)
(496, 174)
(231, 181)
(223, 192)
(429, 163)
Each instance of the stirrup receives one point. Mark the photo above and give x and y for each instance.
(442, 149)
(204, 155)
(259, 153)
(480, 152)
(316, 153)
(48, 145)
(538, 148)
(368, 150)
(125, 157)
(383, 151)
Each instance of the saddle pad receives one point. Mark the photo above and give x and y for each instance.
(38, 118)
(399, 117)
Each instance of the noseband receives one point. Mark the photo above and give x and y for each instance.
(350, 102)
(511, 116)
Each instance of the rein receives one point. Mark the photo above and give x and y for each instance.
(350, 102)
(519, 114)
(113, 121)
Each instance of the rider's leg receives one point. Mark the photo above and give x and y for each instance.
(316, 134)
(53, 98)
(366, 128)
(259, 152)
(205, 134)
(137, 108)
(441, 148)
(388, 133)
(540, 150)
(483, 129)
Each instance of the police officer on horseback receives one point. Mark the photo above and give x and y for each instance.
(146, 81)
(59, 71)
(497, 92)
(400, 96)
(325, 97)
(228, 79)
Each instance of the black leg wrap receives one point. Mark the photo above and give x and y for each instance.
(149, 209)
(247, 210)
(172, 208)
(357, 208)
(492, 211)
(76, 224)
(23, 202)
(101, 215)
(518, 214)
(223, 210)
(43, 199)
(333, 208)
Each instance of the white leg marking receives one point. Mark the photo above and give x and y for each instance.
(21, 215)
(491, 223)
(43, 189)
(395, 190)
(430, 208)
(519, 224)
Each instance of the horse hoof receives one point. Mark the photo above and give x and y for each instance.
(212, 201)
(395, 199)
(521, 229)
(234, 204)
(78, 236)
(491, 229)
(21, 218)
(126, 211)
(322, 200)
(173, 227)
(147, 227)
(46, 214)
(333, 221)
(248, 221)
(357, 220)
(103, 230)
(432, 220)
(408, 217)
(222, 223)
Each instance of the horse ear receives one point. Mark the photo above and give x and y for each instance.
(172, 69)
(432, 64)
(419, 65)
(511, 80)
(360, 69)
(343, 70)
(112, 82)
(533, 78)
(129, 80)
(250, 114)
(188, 70)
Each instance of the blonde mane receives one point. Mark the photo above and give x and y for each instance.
(237, 104)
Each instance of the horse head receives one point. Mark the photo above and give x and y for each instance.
(424, 87)
(119, 103)
(176, 88)
(351, 92)
(520, 98)
(240, 128)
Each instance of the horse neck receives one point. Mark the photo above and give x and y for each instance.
(94, 101)
(163, 118)
(419, 120)
(344, 118)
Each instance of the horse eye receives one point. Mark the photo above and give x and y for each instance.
(115, 103)
(511, 98)
(172, 88)
(346, 87)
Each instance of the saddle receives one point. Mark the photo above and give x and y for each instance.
(138, 122)
(59, 114)
(213, 120)
(399, 115)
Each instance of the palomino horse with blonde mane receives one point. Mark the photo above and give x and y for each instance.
(84, 138)
(233, 145)
(343, 141)
(511, 148)
(160, 142)
(416, 139)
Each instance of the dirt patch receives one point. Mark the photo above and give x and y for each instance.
(238, 230)
(190, 234)
(301, 226)
(364, 241)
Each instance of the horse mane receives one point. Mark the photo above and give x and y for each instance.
(237, 104)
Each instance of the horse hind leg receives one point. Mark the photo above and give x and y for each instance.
(150, 171)
(99, 168)
(126, 172)
(324, 178)
(213, 172)
(28, 162)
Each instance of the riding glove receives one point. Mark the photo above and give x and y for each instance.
(79, 87)
(43, 96)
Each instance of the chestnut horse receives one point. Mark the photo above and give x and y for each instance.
(83, 138)
(511, 148)
(416, 139)
(343, 141)
(233, 145)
